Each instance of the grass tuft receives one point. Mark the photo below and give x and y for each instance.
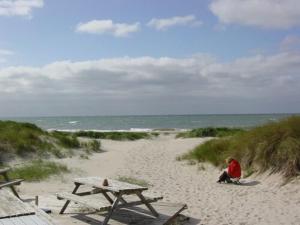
(38, 170)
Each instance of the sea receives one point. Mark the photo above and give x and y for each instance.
(150, 122)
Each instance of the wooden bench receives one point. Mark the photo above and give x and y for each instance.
(97, 205)
(9, 183)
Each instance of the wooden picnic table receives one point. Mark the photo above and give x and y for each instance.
(8, 182)
(114, 194)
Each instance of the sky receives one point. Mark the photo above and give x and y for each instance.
(141, 57)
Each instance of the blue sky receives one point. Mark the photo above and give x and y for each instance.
(243, 55)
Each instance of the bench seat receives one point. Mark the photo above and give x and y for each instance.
(97, 205)
(10, 183)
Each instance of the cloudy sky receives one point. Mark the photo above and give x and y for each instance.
(122, 57)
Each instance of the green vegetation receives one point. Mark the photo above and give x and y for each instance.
(113, 135)
(135, 181)
(28, 140)
(67, 140)
(274, 146)
(38, 170)
(91, 146)
(210, 132)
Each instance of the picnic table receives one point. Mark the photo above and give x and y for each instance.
(113, 193)
(8, 182)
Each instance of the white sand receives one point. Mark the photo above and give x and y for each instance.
(260, 201)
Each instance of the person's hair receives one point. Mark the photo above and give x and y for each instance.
(228, 159)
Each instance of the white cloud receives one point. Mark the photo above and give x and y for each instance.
(280, 14)
(196, 76)
(154, 85)
(108, 27)
(165, 23)
(19, 7)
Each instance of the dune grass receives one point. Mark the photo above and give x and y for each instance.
(274, 147)
(210, 132)
(119, 136)
(28, 140)
(38, 170)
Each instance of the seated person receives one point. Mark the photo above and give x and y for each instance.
(233, 171)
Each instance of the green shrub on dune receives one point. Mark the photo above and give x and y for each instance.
(210, 132)
(38, 170)
(24, 139)
(274, 146)
(113, 135)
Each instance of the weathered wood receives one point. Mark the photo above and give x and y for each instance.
(25, 220)
(113, 185)
(10, 183)
(114, 205)
(96, 204)
(149, 206)
(4, 170)
(138, 215)
(77, 185)
(6, 178)
(10, 206)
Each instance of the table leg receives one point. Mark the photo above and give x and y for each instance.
(140, 195)
(114, 205)
(11, 187)
(68, 201)
(107, 197)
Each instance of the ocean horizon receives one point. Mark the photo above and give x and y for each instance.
(150, 122)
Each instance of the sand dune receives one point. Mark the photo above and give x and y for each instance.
(261, 200)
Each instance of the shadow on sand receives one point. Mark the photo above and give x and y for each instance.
(249, 183)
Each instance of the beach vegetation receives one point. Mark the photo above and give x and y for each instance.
(27, 140)
(210, 132)
(114, 135)
(273, 147)
(38, 170)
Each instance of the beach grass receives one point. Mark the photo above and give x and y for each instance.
(27, 140)
(114, 135)
(273, 147)
(38, 170)
(132, 180)
(210, 132)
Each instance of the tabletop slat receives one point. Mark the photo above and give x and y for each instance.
(113, 185)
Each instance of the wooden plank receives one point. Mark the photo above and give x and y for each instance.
(4, 170)
(113, 185)
(10, 183)
(137, 215)
(25, 220)
(10, 206)
(88, 202)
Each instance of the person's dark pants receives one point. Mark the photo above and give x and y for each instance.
(224, 177)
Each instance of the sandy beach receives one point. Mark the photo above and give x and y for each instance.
(260, 200)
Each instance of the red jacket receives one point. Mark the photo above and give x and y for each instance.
(234, 169)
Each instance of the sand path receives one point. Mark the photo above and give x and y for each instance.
(209, 203)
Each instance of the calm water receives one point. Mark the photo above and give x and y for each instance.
(150, 122)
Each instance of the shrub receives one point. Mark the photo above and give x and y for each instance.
(38, 170)
(210, 132)
(274, 146)
(113, 135)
